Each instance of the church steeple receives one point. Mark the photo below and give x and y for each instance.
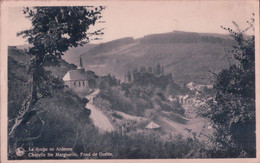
(80, 64)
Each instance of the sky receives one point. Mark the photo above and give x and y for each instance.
(137, 19)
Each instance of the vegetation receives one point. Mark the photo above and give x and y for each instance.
(60, 118)
(138, 94)
(54, 30)
(117, 116)
(231, 107)
(186, 60)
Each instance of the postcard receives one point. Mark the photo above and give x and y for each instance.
(145, 81)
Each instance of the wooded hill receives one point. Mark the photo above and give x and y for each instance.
(188, 56)
(62, 112)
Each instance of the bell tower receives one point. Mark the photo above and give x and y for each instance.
(80, 67)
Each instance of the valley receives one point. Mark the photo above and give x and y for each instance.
(137, 88)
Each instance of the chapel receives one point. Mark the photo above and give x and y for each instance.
(80, 81)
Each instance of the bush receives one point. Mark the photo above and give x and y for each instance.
(231, 107)
(102, 103)
(117, 116)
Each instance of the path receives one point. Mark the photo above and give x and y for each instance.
(98, 118)
(193, 124)
(130, 117)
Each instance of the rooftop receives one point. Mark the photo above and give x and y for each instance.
(78, 74)
(152, 125)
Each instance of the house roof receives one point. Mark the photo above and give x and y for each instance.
(152, 125)
(78, 74)
(191, 84)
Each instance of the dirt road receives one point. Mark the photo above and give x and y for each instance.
(98, 118)
(193, 124)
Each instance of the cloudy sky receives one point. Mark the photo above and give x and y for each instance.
(137, 19)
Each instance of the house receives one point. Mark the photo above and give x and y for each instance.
(79, 80)
(152, 125)
(198, 87)
(191, 86)
(201, 87)
(183, 99)
(170, 98)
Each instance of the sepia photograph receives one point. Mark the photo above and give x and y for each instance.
(135, 80)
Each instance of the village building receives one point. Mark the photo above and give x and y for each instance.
(198, 87)
(183, 99)
(191, 86)
(201, 87)
(80, 81)
(152, 126)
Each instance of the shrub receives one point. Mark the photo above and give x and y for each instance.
(117, 116)
(102, 103)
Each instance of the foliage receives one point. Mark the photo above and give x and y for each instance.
(117, 116)
(62, 121)
(53, 31)
(134, 99)
(108, 81)
(231, 107)
(101, 103)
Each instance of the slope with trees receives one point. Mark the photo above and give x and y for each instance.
(188, 56)
(231, 107)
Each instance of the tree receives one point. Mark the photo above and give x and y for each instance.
(54, 30)
(231, 107)
(158, 69)
(162, 69)
(155, 70)
(150, 70)
(129, 77)
(142, 69)
(125, 78)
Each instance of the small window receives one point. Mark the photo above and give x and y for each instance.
(79, 83)
(74, 83)
(83, 83)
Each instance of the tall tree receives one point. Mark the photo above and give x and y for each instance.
(150, 70)
(231, 107)
(129, 77)
(162, 69)
(158, 69)
(142, 69)
(53, 31)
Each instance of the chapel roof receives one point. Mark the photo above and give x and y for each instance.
(78, 74)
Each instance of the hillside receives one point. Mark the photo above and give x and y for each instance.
(19, 55)
(55, 114)
(188, 56)
(72, 55)
(111, 45)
